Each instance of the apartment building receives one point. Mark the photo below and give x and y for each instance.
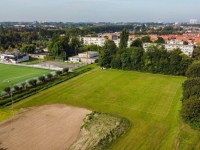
(186, 49)
(100, 41)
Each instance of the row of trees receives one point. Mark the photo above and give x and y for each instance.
(190, 111)
(155, 60)
(33, 82)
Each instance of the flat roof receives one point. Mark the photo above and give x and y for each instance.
(89, 52)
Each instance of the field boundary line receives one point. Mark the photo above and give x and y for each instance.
(172, 100)
(135, 109)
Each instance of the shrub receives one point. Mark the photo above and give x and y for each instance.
(16, 88)
(49, 75)
(191, 111)
(7, 90)
(65, 70)
(58, 72)
(32, 82)
(193, 71)
(42, 78)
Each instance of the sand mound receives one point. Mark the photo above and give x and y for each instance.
(46, 127)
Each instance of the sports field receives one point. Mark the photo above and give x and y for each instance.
(151, 102)
(17, 74)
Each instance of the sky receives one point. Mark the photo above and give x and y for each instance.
(100, 10)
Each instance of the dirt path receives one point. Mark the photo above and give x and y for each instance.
(49, 127)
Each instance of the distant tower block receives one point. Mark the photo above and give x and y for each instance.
(193, 21)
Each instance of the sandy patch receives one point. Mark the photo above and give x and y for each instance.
(49, 127)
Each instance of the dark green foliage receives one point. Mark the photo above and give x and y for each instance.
(42, 78)
(65, 70)
(16, 88)
(185, 42)
(123, 39)
(160, 40)
(7, 90)
(136, 43)
(28, 48)
(49, 75)
(193, 71)
(32, 82)
(110, 46)
(146, 39)
(58, 72)
(156, 59)
(91, 47)
(104, 58)
(191, 112)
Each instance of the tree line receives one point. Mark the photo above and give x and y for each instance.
(156, 59)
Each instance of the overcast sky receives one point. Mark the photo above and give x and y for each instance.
(100, 10)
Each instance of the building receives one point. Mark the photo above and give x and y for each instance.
(100, 41)
(14, 57)
(193, 21)
(186, 49)
(85, 57)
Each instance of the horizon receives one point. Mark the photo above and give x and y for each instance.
(99, 11)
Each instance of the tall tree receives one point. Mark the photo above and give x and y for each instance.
(123, 39)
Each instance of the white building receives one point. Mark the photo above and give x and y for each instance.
(174, 41)
(193, 21)
(100, 41)
(14, 58)
(85, 57)
(186, 49)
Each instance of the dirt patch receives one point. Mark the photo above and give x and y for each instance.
(53, 64)
(46, 127)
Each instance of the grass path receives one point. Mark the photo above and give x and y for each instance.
(151, 102)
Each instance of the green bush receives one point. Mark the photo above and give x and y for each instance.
(65, 70)
(42, 78)
(58, 72)
(193, 71)
(49, 75)
(191, 112)
(32, 82)
(16, 88)
(7, 89)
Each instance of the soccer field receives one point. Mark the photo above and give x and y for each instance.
(150, 102)
(17, 74)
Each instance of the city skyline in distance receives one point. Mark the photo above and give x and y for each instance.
(99, 10)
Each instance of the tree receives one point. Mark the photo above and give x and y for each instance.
(110, 46)
(49, 75)
(193, 71)
(146, 39)
(136, 43)
(7, 90)
(185, 43)
(123, 39)
(42, 78)
(160, 40)
(191, 112)
(32, 82)
(16, 88)
(28, 48)
(65, 70)
(104, 58)
(58, 72)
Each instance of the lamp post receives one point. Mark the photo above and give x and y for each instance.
(11, 99)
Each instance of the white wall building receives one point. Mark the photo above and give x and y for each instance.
(100, 41)
(186, 49)
(14, 58)
(174, 41)
(193, 21)
(85, 57)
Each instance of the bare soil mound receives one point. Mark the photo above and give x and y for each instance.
(46, 127)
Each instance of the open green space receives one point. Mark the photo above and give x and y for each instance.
(17, 74)
(150, 102)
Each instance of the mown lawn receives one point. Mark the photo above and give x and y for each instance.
(17, 74)
(151, 102)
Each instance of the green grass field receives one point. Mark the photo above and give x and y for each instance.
(17, 74)
(150, 102)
